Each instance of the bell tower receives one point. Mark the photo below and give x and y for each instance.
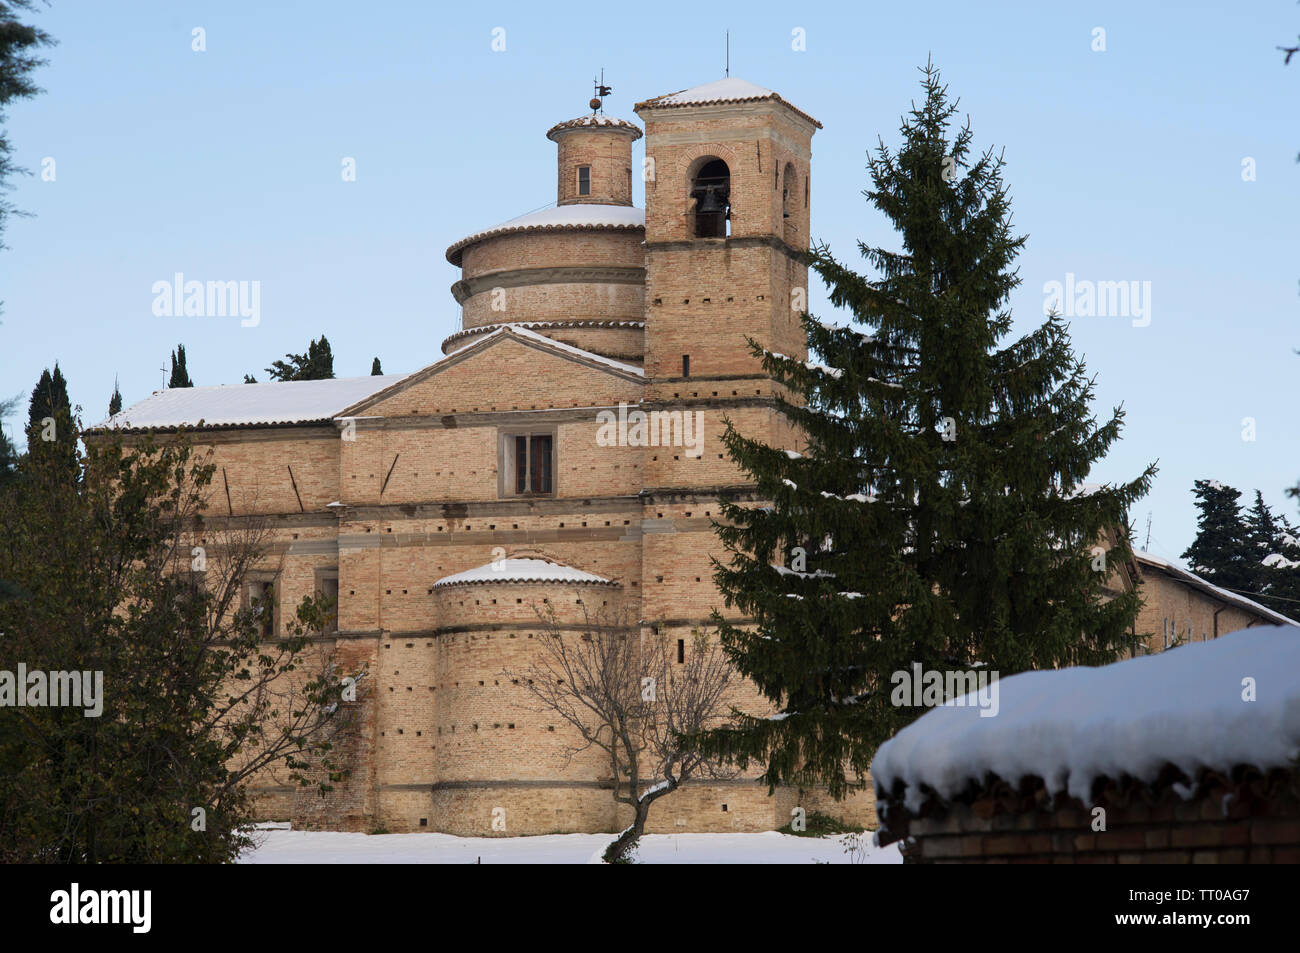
(727, 199)
(727, 195)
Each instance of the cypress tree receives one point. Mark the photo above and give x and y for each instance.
(317, 364)
(49, 398)
(180, 374)
(115, 402)
(937, 512)
(51, 431)
(375, 369)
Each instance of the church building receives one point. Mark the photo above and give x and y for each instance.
(443, 506)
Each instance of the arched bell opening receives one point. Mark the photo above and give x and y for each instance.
(710, 199)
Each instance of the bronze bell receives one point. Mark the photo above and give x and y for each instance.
(711, 210)
(711, 202)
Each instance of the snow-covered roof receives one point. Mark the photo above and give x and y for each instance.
(300, 402)
(236, 405)
(1072, 726)
(524, 570)
(1184, 575)
(593, 122)
(561, 217)
(729, 90)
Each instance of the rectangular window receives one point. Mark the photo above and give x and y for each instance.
(681, 651)
(259, 597)
(584, 180)
(521, 465)
(539, 464)
(686, 365)
(327, 586)
(528, 464)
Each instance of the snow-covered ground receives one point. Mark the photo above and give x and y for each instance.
(318, 847)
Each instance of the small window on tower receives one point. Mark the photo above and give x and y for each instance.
(686, 365)
(584, 180)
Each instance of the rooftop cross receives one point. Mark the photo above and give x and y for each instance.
(600, 92)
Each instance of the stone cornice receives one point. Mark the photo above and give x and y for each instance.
(488, 418)
(523, 277)
(756, 106)
(750, 241)
(677, 494)
(481, 509)
(603, 784)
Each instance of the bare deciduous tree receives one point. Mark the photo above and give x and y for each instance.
(618, 686)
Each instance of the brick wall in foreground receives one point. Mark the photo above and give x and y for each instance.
(1255, 820)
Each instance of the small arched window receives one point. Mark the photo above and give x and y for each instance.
(711, 199)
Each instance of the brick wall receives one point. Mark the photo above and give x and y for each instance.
(554, 248)
(554, 300)
(1252, 819)
(621, 342)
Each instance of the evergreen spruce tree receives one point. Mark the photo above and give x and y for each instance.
(115, 402)
(250, 379)
(1222, 551)
(375, 369)
(936, 514)
(317, 364)
(1262, 527)
(1274, 558)
(180, 375)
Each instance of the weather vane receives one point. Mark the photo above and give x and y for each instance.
(601, 91)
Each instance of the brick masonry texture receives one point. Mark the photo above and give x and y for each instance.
(1247, 819)
(607, 152)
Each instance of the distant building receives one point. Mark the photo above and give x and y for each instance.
(1181, 607)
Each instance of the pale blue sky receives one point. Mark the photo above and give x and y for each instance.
(1123, 165)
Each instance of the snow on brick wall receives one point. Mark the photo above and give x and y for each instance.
(1214, 705)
